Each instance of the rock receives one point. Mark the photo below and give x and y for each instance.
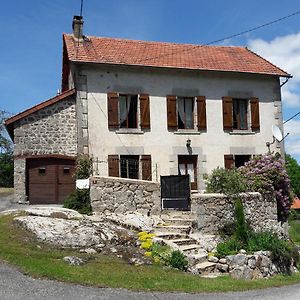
(113, 250)
(224, 268)
(136, 261)
(88, 251)
(238, 260)
(205, 267)
(193, 270)
(222, 261)
(256, 274)
(244, 273)
(73, 260)
(252, 262)
(242, 251)
(212, 259)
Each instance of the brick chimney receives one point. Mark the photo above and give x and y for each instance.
(77, 26)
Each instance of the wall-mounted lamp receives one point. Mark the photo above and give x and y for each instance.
(188, 143)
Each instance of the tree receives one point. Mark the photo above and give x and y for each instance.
(6, 155)
(293, 170)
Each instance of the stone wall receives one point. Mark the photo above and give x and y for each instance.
(119, 195)
(51, 130)
(215, 210)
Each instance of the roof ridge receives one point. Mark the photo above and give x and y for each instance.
(155, 42)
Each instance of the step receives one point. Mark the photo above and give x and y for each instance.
(173, 228)
(179, 221)
(185, 241)
(189, 247)
(205, 267)
(178, 214)
(195, 259)
(169, 235)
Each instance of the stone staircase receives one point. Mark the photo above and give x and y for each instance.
(175, 232)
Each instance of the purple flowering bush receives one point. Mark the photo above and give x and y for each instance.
(267, 174)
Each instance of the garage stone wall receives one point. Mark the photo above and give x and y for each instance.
(215, 210)
(120, 195)
(50, 130)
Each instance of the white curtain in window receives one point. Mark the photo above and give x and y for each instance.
(190, 170)
(189, 113)
(182, 169)
(243, 114)
(124, 105)
(180, 107)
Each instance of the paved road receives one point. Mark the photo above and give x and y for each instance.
(14, 286)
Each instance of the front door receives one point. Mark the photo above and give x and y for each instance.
(187, 165)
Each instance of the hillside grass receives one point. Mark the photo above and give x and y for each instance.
(294, 231)
(21, 249)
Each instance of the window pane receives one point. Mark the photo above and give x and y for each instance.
(190, 169)
(132, 111)
(189, 113)
(243, 114)
(180, 109)
(129, 166)
(182, 169)
(123, 111)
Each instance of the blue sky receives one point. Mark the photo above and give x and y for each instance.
(31, 46)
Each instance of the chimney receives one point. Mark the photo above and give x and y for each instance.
(77, 26)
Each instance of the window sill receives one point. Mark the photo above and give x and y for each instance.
(242, 132)
(187, 131)
(129, 131)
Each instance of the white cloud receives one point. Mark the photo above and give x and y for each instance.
(284, 52)
(292, 142)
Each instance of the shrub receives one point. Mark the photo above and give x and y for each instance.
(83, 166)
(177, 260)
(267, 174)
(80, 201)
(241, 228)
(229, 247)
(225, 181)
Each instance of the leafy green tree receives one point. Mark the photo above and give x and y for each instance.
(6, 155)
(293, 170)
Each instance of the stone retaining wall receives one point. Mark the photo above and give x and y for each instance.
(215, 210)
(120, 195)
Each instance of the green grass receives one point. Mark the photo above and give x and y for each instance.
(294, 231)
(19, 248)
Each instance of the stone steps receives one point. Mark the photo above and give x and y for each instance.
(179, 221)
(175, 214)
(169, 235)
(183, 241)
(190, 247)
(183, 229)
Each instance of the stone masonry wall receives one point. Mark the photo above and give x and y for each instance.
(120, 195)
(51, 130)
(215, 210)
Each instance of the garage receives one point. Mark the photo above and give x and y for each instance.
(49, 180)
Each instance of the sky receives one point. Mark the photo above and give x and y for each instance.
(31, 44)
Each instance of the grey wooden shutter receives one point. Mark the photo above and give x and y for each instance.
(227, 113)
(172, 112)
(254, 104)
(146, 167)
(113, 110)
(229, 161)
(201, 112)
(113, 166)
(145, 111)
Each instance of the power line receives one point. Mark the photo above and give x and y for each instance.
(225, 38)
(298, 113)
(254, 28)
(81, 7)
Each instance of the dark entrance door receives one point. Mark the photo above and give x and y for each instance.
(49, 180)
(175, 192)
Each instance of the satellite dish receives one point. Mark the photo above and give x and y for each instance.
(277, 133)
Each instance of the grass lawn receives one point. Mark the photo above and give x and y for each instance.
(19, 248)
(294, 231)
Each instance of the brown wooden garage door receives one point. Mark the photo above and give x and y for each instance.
(49, 180)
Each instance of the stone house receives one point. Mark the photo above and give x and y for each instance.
(146, 109)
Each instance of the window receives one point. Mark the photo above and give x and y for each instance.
(235, 161)
(130, 166)
(181, 112)
(66, 171)
(42, 171)
(240, 114)
(187, 165)
(185, 113)
(128, 111)
(236, 114)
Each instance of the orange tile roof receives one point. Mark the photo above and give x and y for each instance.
(296, 203)
(168, 55)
